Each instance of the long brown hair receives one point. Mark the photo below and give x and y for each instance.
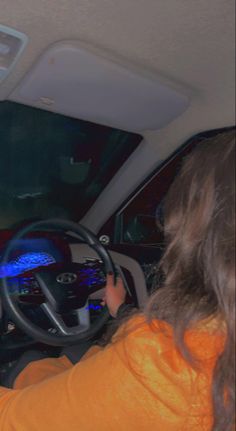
(199, 259)
(198, 265)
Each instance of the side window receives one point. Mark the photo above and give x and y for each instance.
(139, 221)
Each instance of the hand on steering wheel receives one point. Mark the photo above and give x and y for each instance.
(115, 294)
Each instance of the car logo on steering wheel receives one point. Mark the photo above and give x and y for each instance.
(66, 278)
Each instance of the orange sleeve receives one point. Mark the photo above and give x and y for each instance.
(38, 371)
(136, 385)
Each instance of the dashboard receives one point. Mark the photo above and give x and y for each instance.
(54, 251)
(31, 255)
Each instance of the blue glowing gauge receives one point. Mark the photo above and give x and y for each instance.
(26, 262)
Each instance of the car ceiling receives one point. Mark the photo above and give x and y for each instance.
(189, 43)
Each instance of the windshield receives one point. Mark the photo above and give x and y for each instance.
(54, 166)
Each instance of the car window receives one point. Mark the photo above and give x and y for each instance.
(55, 166)
(140, 219)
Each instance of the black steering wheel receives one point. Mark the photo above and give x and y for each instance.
(61, 291)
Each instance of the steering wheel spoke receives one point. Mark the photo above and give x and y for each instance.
(83, 315)
(55, 318)
(58, 323)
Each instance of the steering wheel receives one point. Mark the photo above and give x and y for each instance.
(61, 291)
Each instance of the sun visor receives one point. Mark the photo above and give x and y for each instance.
(74, 82)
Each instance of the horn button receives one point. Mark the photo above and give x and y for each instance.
(68, 288)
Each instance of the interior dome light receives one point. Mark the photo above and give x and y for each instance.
(12, 44)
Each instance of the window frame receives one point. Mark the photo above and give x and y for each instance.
(115, 224)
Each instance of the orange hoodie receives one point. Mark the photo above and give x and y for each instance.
(139, 382)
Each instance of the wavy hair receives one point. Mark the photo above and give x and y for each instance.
(197, 270)
(199, 260)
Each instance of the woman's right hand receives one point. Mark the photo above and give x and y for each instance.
(114, 294)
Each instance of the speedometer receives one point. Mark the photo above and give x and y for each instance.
(26, 262)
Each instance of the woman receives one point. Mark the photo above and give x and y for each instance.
(171, 366)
